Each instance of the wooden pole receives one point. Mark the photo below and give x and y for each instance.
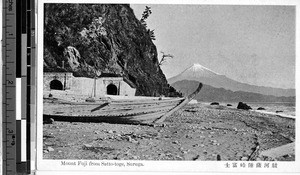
(65, 82)
(119, 88)
(95, 86)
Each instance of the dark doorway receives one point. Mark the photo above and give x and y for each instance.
(112, 90)
(56, 84)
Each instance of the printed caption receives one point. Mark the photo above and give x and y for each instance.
(257, 165)
(100, 164)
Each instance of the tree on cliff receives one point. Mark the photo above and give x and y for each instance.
(145, 15)
(164, 58)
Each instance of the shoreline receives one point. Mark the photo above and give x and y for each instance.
(277, 114)
(280, 114)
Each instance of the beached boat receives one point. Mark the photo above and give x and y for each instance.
(132, 110)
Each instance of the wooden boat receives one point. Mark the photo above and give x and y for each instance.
(136, 110)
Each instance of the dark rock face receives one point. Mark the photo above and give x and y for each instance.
(229, 104)
(90, 39)
(214, 103)
(261, 108)
(244, 106)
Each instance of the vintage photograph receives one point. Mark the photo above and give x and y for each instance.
(178, 82)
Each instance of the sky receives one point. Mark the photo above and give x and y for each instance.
(250, 44)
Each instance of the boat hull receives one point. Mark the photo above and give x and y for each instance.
(152, 110)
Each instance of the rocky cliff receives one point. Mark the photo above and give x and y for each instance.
(89, 39)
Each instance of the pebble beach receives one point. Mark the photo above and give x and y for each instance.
(199, 132)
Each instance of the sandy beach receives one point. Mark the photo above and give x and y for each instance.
(196, 132)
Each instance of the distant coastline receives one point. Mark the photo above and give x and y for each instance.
(210, 93)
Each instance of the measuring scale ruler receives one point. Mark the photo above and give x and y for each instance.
(18, 85)
(9, 88)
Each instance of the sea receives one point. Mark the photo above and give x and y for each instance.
(284, 109)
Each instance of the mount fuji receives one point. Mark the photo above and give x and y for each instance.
(202, 74)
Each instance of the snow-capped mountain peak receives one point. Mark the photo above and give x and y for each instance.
(199, 68)
(194, 72)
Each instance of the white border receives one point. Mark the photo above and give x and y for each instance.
(43, 166)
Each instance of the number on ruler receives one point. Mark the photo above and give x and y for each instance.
(10, 81)
(13, 142)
